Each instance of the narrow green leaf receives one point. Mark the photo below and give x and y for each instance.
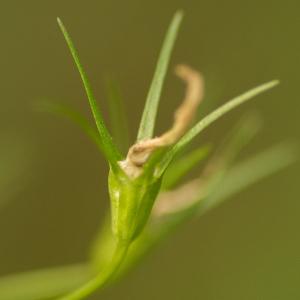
(119, 122)
(150, 111)
(213, 116)
(250, 171)
(110, 151)
(238, 138)
(234, 180)
(219, 163)
(181, 167)
(43, 284)
(76, 117)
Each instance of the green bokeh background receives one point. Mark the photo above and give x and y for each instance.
(248, 248)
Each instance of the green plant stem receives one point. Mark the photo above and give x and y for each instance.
(45, 283)
(103, 278)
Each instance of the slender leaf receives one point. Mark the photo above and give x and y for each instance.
(43, 284)
(76, 117)
(239, 137)
(119, 122)
(214, 169)
(150, 111)
(213, 116)
(229, 182)
(251, 171)
(109, 149)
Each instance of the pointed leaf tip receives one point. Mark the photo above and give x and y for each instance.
(110, 151)
(219, 112)
(213, 116)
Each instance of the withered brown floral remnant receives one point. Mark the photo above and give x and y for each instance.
(139, 153)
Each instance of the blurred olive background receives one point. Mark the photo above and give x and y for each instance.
(249, 248)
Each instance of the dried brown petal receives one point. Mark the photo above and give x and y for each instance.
(139, 153)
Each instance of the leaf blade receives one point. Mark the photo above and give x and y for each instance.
(150, 111)
(213, 116)
(110, 151)
(252, 170)
(74, 116)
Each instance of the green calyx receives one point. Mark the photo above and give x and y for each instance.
(131, 204)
